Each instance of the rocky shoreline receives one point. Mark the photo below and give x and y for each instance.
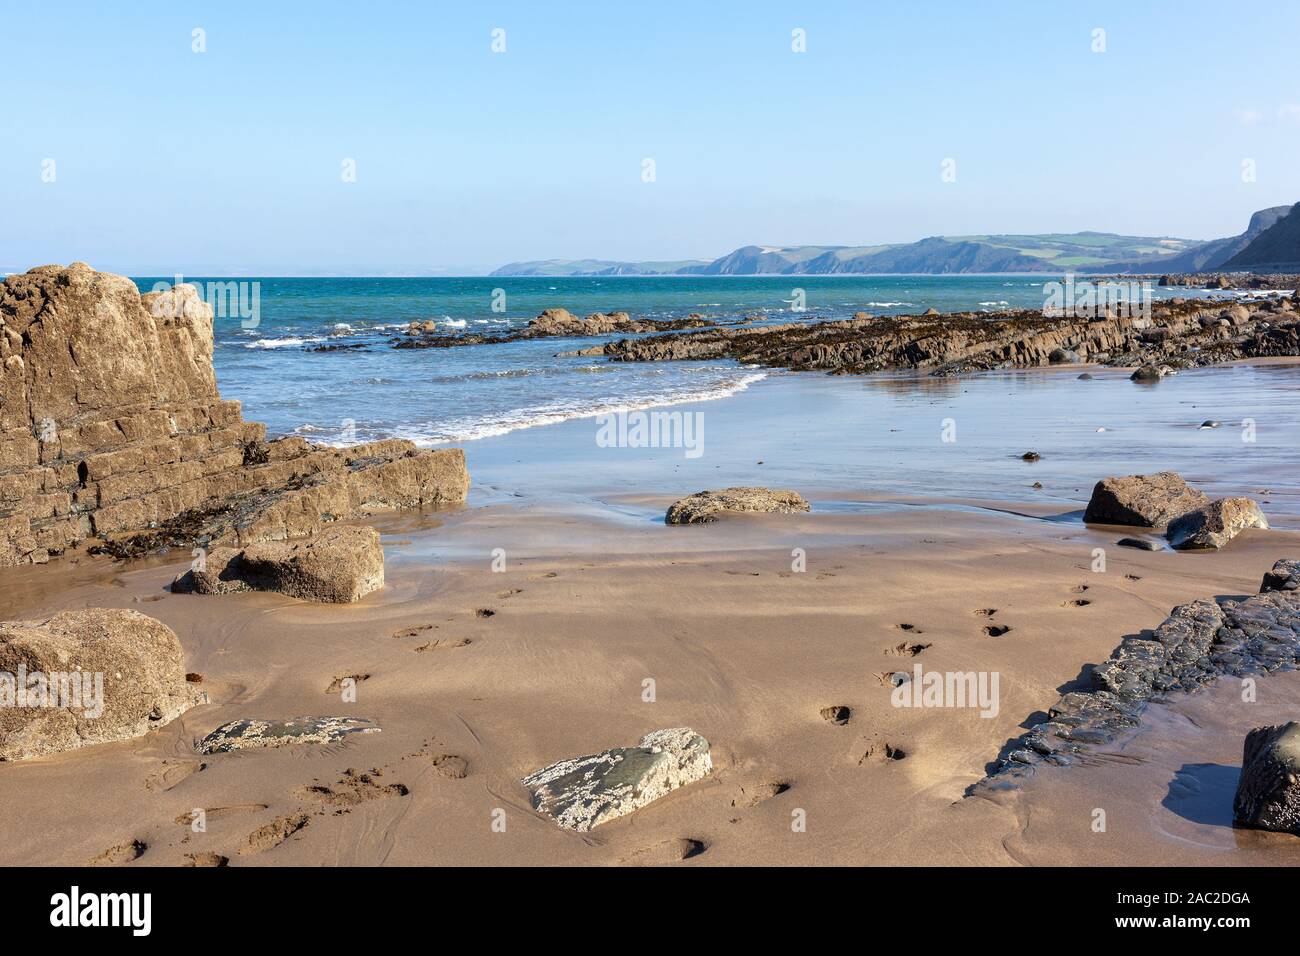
(1178, 334)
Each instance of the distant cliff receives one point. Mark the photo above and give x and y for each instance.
(1054, 252)
(1276, 248)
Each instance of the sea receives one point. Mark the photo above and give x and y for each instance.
(439, 396)
(530, 419)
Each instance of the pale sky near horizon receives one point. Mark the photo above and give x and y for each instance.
(230, 161)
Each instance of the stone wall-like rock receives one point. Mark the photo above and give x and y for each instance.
(111, 427)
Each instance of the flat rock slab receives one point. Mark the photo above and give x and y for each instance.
(706, 506)
(254, 734)
(1213, 526)
(1146, 501)
(88, 677)
(1268, 792)
(337, 566)
(585, 792)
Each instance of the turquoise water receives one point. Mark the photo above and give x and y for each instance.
(434, 396)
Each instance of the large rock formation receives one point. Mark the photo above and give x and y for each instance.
(587, 791)
(111, 427)
(1147, 501)
(337, 566)
(1176, 333)
(706, 506)
(1268, 792)
(87, 677)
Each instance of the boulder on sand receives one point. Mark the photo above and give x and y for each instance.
(1284, 576)
(87, 677)
(587, 791)
(1147, 501)
(1268, 792)
(1215, 524)
(338, 566)
(706, 506)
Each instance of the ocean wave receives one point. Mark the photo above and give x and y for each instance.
(472, 429)
(890, 305)
(284, 343)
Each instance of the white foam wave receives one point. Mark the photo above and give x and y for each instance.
(472, 429)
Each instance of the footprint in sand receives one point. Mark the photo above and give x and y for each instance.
(837, 714)
(1078, 589)
(336, 685)
(1133, 577)
(1077, 602)
(442, 644)
(451, 766)
(881, 751)
(353, 788)
(172, 773)
(540, 577)
(216, 813)
(985, 611)
(669, 851)
(271, 835)
(912, 628)
(121, 854)
(484, 612)
(754, 794)
(907, 650)
(206, 859)
(510, 592)
(414, 631)
(996, 630)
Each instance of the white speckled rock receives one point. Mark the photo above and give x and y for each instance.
(587, 791)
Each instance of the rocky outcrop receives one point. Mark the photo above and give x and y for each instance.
(585, 792)
(1146, 501)
(1195, 645)
(111, 428)
(1215, 524)
(87, 677)
(1268, 792)
(707, 506)
(551, 323)
(337, 566)
(256, 734)
(1172, 335)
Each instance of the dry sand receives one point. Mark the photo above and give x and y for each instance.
(596, 598)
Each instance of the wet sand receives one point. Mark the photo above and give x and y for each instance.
(598, 595)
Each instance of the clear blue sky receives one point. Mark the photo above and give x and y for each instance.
(229, 161)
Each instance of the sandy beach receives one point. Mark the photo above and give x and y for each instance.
(596, 598)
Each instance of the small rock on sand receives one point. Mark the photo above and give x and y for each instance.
(706, 506)
(1214, 525)
(587, 791)
(1142, 544)
(337, 566)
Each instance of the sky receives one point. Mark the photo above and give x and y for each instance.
(1180, 119)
